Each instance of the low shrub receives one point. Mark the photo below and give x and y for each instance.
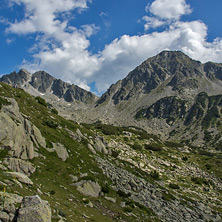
(41, 101)
(51, 124)
(105, 188)
(115, 153)
(155, 175)
(174, 186)
(199, 181)
(55, 111)
(136, 146)
(153, 147)
(123, 194)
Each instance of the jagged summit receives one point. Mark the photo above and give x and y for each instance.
(42, 83)
(174, 69)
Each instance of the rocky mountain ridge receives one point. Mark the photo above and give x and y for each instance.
(43, 84)
(167, 77)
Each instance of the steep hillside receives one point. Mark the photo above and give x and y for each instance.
(166, 88)
(97, 172)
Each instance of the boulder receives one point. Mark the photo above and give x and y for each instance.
(99, 146)
(34, 209)
(110, 199)
(91, 148)
(89, 188)
(4, 217)
(19, 165)
(38, 136)
(61, 151)
(21, 177)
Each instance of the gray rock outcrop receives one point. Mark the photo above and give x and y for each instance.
(21, 166)
(17, 134)
(88, 188)
(99, 146)
(34, 209)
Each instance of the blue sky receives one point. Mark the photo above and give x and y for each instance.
(94, 43)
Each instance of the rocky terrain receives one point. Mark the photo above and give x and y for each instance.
(53, 169)
(149, 149)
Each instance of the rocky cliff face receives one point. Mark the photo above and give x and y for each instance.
(42, 84)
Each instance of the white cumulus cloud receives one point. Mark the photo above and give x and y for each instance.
(169, 9)
(63, 50)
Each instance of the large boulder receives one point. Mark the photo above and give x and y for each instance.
(19, 165)
(18, 134)
(99, 146)
(61, 151)
(21, 177)
(33, 209)
(89, 188)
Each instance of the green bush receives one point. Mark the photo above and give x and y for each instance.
(105, 188)
(41, 101)
(174, 186)
(52, 192)
(153, 147)
(155, 175)
(51, 124)
(184, 158)
(199, 181)
(123, 194)
(136, 146)
(55, 111)
(115, 153)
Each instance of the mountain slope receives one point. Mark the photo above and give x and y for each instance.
(150, 85)
(170, 77)
(98, 172)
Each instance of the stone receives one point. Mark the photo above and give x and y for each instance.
(19, 165)
(110, 199)
(9, 207)
(38, 136)
(218, 218)
(99, 146)
(34, 209)
(21, 177)
(4, 217)
(74, 178)
(78, 132)
(83, 175)
(90, 147)
(61, 151)
(90, 204)
(89, 188)
(122, 204)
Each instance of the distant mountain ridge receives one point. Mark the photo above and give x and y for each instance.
(44, 83)
(160, 96)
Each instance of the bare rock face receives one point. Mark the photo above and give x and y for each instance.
(99, 146)
(21, 177)
(20, 166)
(60, 150)
(34, 209)
(17, 134)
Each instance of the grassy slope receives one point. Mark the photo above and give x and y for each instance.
(52, 175)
